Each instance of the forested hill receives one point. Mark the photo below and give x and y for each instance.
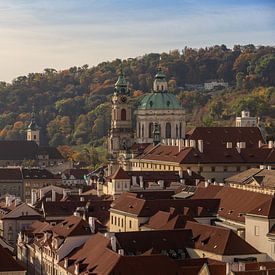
(72, 105)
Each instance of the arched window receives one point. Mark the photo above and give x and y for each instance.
(168, 130)
(142, 131)
(139, 130)
(180, 130)
(177, 131)
(150, 130)
(123, 114)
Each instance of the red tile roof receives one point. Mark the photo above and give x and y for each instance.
(120, 174)
(232, 204)
(218, 136)
(72, 226)
(219, 240)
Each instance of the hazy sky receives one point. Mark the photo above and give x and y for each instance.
(38, 34)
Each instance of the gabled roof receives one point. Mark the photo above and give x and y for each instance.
(219, 240)
(77, 173)
(52, 152)
(120, 174)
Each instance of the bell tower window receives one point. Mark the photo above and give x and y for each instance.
(123, 114)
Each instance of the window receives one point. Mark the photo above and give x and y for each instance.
(180, 130)
(225, 169)
(130, 224)
(213, 169)
(123, 114)
(139, 130)
(256, 230)
(168, 130)
(115, 220)
(177, 131)
(238, 168)
(112, 219)
(142, 130)
(150, 130)
(118, 221)
(121, 222)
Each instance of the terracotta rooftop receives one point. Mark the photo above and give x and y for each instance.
(71, 226)
(218, 136)
(147, 208)
(232, 206)
(120, 174)
(219, 240)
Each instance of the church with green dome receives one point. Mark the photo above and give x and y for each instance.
(162, 107)
(159, 116)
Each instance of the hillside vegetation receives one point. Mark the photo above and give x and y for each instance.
(73, 106)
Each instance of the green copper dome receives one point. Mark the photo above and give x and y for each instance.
(159, 101)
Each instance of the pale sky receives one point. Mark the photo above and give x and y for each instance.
(38, 34)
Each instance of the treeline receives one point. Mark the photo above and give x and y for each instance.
(73, 108)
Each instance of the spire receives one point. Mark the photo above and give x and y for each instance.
(121, 86)
(33, 124)
(156, 134)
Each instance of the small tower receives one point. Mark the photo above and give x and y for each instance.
(160, 83)
(33, 131)
(121, 132)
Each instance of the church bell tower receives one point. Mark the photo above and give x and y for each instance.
(121, 132)
(33, 131)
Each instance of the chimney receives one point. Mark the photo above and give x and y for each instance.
(228, 144)
(33, 197)
(189, 171)
(76, 269)
(180, 144)
(134, 180)
(8, 200)
(182, 181)
(242, 144)
(53, 195)
(197, 182)
(172, 142)
(41, 193)
(66, 263)
(181, 173)
(17, 201)
(82, 199)
(92, 224)
(187, 143)
(121, 252)
(206, 184)
(270, 143)
(269, 167)
(113, 243)
(260, 143)
(192, 143)
(141, 182)
(228, 268)
(79, 191)
(200, 145)
(161, 183)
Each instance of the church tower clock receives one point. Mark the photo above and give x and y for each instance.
(121, 132)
